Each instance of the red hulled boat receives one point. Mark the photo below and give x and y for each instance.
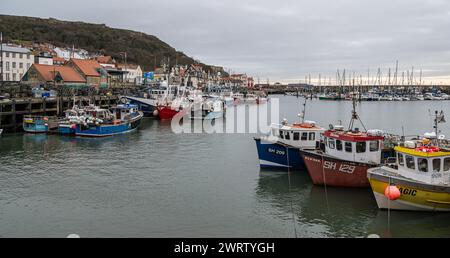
(344, 158)
(166, 112)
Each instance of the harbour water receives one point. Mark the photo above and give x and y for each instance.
(154, 183)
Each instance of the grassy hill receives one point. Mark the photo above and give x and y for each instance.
(140, 47)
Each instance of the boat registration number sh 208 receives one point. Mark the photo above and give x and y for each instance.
(277, 152)
(345, 168)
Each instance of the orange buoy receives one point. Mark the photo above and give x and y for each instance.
(392, 192)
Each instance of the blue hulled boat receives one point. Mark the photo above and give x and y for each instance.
(102, 122)
(281, 148)
(38, 124)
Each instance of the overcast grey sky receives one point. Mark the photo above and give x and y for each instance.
(283, 40)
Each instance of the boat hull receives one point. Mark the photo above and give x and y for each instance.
(329, 171)
(31, 125)
(145, 105)
(107, 130)
(166, 113)
(414, 196)
(277, 156)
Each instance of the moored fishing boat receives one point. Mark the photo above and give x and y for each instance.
(345, 156)
(420, 179)
(281, 148)
(39, 124)
(168, 111)
(101, 122)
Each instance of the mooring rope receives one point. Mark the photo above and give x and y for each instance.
(290, 194)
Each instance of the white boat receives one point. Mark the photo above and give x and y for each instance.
(1, 132)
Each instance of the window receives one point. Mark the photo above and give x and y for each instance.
(7, 54)
(28, 56)
(13, 65)
(287, 136)
(296, 136)
(410, 163)
(20, 56)
(21, 65)
(348, 147)
(7, 77)
(374, 145)
(338, 145)
(312, 136)
(304, 136)
(7, 66)
(13, 55)
(281, 135)
(360, 147)
(422, 164)
(446, 164)
(401, 162)
(436, 165)
(14, 77)
(331, 144)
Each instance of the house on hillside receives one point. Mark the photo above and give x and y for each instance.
(92, 72)
(54, 74)
(134, 73)
(16, 61)
(106, 61)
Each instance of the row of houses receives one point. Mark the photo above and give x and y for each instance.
(49, 64)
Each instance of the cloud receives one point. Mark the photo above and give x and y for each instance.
(280, 40)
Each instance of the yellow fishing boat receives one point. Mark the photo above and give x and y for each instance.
(420, 179)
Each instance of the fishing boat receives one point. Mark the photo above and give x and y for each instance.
(101, 122)
(345, 155)
(39, 124)
(281, 148)
(206, 108)
(420, 179)
(168, 111)
(74, 116)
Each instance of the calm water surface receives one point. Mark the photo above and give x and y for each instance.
(154, 183)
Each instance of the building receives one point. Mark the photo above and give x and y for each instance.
(91, 70)
(16, 62)
(58, 61)
(44, 58)
(54, 74)
(68, 53)
(133, 73)
(106, 61)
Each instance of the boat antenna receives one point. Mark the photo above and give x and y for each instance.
(302, 115)
(439, 118)
(355, 116)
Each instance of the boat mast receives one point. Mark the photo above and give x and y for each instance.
(355, 116)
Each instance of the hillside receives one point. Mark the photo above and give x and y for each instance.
(140, 47)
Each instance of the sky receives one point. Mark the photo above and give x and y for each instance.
(283, 40)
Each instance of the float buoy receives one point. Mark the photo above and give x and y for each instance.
(392, 192)
(155, 112)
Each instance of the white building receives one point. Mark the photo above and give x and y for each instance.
(16, 62)
(43, 58)
(70, 53)
(134, 74)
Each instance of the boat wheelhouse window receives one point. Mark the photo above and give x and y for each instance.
(296, 136)
(304, 136)
(360, 147)
(374, 145)
(338, 145)
(436, 165)
(348, 147)
(281, 135)
(275, 132)
(312, 136)
(410, 163)
(331, 144)
(446, 164)
(401, 162)
(422, 165)
(287, 136)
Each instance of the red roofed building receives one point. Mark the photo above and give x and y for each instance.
(62, 75)
(91, 70)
